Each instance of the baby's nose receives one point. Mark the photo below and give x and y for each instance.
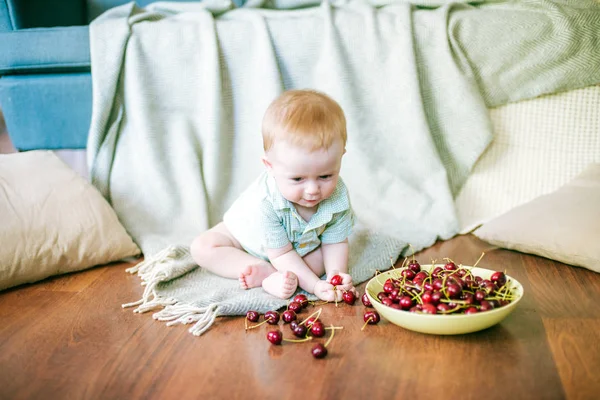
(312, 188)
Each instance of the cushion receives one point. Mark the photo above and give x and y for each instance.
(563, 225)
(53, 221)
(538, 146)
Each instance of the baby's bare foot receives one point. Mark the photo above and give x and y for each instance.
(253, 275)
(281, 284)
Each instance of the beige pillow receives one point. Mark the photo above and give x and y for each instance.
(563, 225)
(52, 221)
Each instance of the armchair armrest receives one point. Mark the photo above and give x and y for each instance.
(23, 14)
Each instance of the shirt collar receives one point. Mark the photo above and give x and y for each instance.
(337, 202)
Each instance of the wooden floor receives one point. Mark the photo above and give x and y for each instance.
(69, 338)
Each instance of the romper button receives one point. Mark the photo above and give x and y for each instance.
(302, 245)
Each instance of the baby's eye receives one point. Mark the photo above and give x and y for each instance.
(297, 179)
(325, 176)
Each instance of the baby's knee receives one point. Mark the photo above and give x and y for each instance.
(201, 248)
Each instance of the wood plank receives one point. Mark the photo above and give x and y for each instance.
(574, 342)
(562, 290)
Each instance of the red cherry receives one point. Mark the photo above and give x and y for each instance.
(299, 330)
(468, 298)
(480, 295)
(406, 302)
(288, 316)
(386, 301)
(317, 329)
(272, 317)
(301, 299)
(252, 316)
(438, 284)
(499, 278)
(295, 307)
(371, 317)
(388, 286)
(275, 337)
(486, 305)
(453, 290)
(443, 307)
(421, 275)
(429, 309)
(450, 266)
(349, 297)
(471, 310)
(435, 297)
(319, 351)
(436, 271)
(408, 274)
(365, 300)
(414, 266)
(336, 280)
(311, 321)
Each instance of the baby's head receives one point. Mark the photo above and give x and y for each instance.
(304, 137)
(304, 118)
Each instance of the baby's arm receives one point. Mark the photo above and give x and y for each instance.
(335, 259)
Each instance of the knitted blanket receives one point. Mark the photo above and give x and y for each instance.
(179, 90)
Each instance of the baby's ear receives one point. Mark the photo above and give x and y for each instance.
(267, 163)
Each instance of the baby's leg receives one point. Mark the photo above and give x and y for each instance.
(219, 252)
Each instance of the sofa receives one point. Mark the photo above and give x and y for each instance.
(45, 82)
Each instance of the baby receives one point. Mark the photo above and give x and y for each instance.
(292, 224)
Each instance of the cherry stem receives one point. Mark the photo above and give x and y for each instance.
(413, 251)
(366, 322)
(480, 257)
(318, 312)
(334, 327)
(306, 339)
(330, 337)
(404, 262)
(257, 325)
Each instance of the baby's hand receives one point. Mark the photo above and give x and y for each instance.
(346, 285)
(325, 291)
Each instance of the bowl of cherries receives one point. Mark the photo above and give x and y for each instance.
(443, 299)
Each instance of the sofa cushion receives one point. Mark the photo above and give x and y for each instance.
(45, 49)
(60, 106)
(563, 225)
(53, 221)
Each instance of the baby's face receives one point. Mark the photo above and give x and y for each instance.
(305, 177)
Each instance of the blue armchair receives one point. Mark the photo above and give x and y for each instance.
(45, 81)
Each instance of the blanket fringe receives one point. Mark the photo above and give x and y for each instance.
(185, 314)
(151, 276)
(152, 273)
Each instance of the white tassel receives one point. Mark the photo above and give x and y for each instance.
(186, 314)
(151, 276)
(202, 325)
(148, 293)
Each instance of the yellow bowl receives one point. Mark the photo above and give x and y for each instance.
(450, 324)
